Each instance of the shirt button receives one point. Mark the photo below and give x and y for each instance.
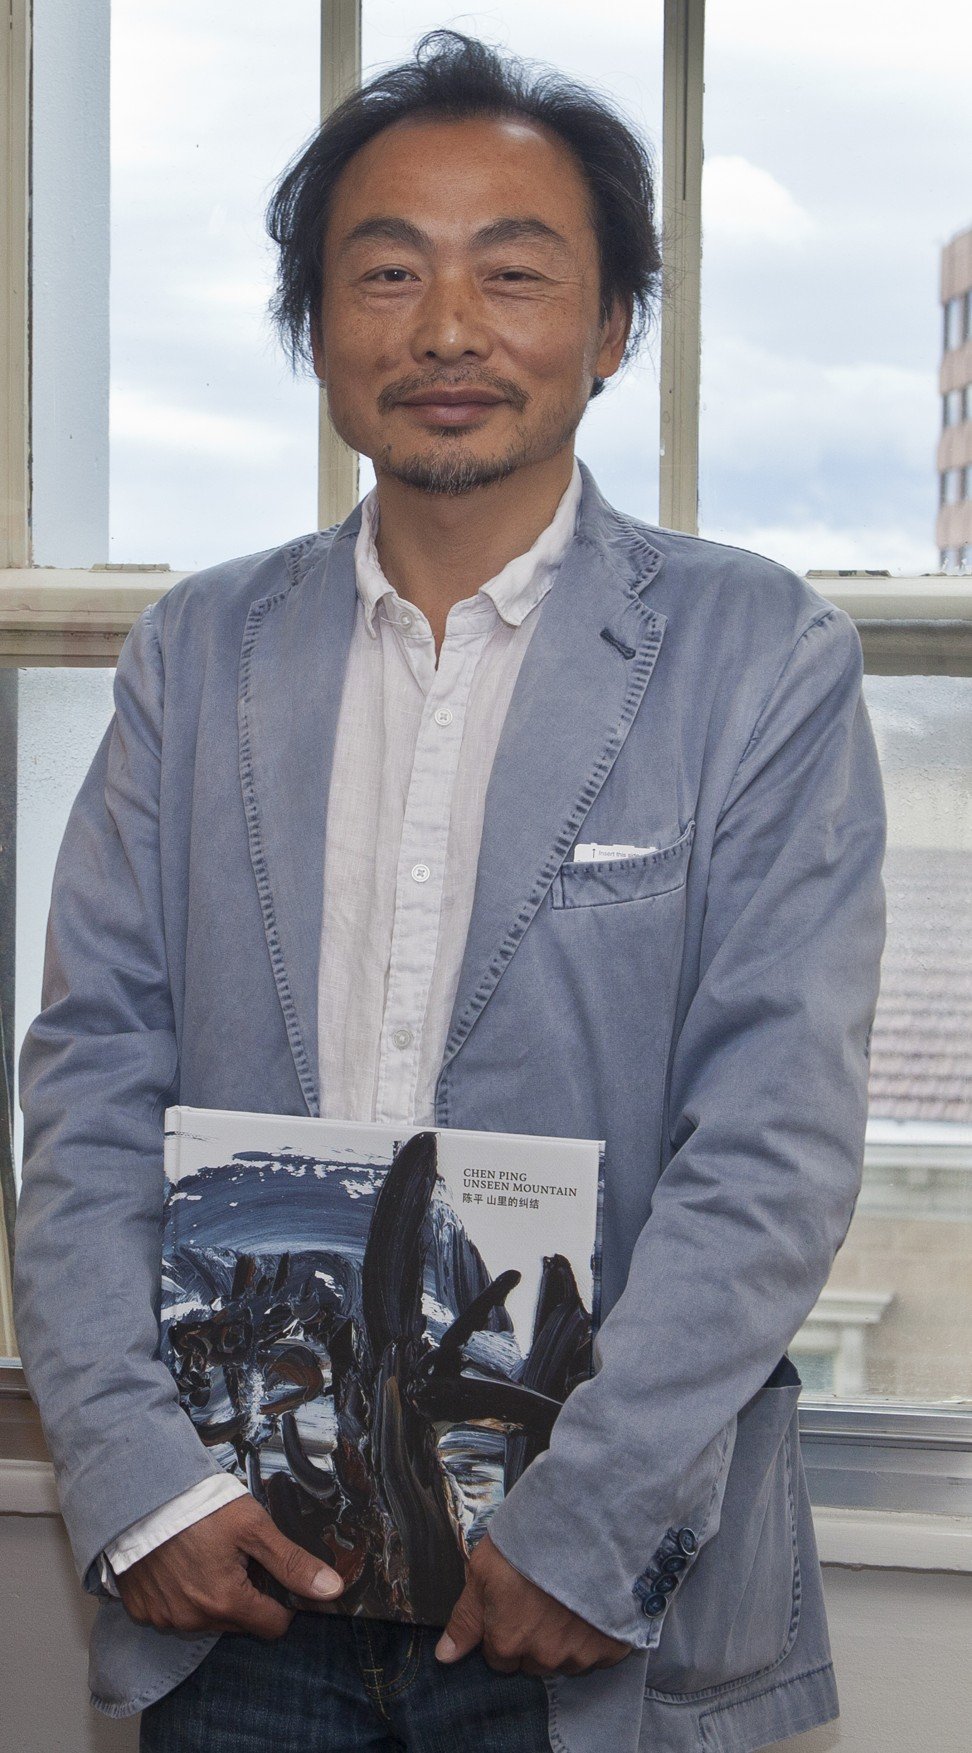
(421, 873)
(402, 1037)
(442, 715)
(405, 620)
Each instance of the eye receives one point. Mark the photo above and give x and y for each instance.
(516, 274)
(389, 276)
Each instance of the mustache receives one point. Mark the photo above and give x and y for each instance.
(415, 386)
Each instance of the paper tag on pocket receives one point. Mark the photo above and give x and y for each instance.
(592, 852)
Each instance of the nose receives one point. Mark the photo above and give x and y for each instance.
(449, 324)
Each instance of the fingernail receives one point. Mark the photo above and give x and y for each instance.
(445, 1649)
(326, 1583)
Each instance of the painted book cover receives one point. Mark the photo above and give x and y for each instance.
(374, 1328)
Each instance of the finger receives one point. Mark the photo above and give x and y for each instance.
(529, 1666)
(611, 1661)
(549, 1658)
(465, 1628)
(297, 1569)
(501, 1657)
(233, 1604)
(258, 1614)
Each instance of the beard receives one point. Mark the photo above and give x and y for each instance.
(451, 473)
(449, 470)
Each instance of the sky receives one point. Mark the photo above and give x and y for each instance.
(837, 163)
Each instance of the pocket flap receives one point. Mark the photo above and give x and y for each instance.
(580, 883)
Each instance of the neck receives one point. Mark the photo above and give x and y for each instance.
(436, 549)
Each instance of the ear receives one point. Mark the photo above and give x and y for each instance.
(615, 329)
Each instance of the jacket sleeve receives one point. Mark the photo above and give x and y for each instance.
(172, 1518)
(98, 1066)
(766, 1116)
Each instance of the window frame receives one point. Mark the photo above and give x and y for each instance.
(874, 1455)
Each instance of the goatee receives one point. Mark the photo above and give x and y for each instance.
(455, 474)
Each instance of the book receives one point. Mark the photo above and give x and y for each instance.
(374, 1327)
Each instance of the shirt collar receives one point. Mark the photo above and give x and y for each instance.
(514, 591)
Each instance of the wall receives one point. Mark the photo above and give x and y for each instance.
(901, 1644)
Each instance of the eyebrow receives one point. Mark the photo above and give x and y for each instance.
(388, 229)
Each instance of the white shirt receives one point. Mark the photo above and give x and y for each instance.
(413, 753)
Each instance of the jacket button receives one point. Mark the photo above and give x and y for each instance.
(687, 1541)
(653, 1604)
(666, 1585)
(671, 1566)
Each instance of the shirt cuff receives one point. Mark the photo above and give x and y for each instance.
(180, 1512)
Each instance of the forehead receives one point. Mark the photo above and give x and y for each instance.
(446, 175)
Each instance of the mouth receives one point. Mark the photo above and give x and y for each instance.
(452, 407)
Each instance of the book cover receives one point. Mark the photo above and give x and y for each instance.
(375, 1327)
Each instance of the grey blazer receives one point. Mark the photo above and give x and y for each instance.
(705, 1008)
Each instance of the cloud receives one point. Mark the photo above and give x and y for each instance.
(825, 547)
(743, 204)
(841, 456)
(757, 401)
(189, 431)
(894, 37)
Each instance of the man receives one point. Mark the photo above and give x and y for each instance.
(494, 808)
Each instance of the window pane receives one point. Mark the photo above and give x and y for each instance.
(619, 435)
(955, 309)
(827, 199)
(895, 1316)
(213, 444)
(61, 717)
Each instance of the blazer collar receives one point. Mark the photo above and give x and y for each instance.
(580, 684)
(292, 664)
(583, 676)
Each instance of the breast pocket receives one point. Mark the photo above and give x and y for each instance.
(596, 883)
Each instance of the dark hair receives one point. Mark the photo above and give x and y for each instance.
(454, 76)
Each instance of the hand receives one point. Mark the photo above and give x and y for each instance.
(520, 1626)
(198, 1582)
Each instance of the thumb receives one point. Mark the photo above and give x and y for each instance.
(465, 1629)
(297, 1569)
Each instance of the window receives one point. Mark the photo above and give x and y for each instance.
(956, 325)
(897, 1307)
(60, 717)
(821, 347)
(822, 369)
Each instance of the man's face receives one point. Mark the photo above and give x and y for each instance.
(460, 327)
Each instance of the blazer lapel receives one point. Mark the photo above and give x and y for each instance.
(292, 666)
(582, 679)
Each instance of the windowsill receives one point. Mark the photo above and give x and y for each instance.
(858, 1539)
(892, 1540)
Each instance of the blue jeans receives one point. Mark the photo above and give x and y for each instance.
(336, 1685)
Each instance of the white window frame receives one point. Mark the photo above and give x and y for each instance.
(871, 1456)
